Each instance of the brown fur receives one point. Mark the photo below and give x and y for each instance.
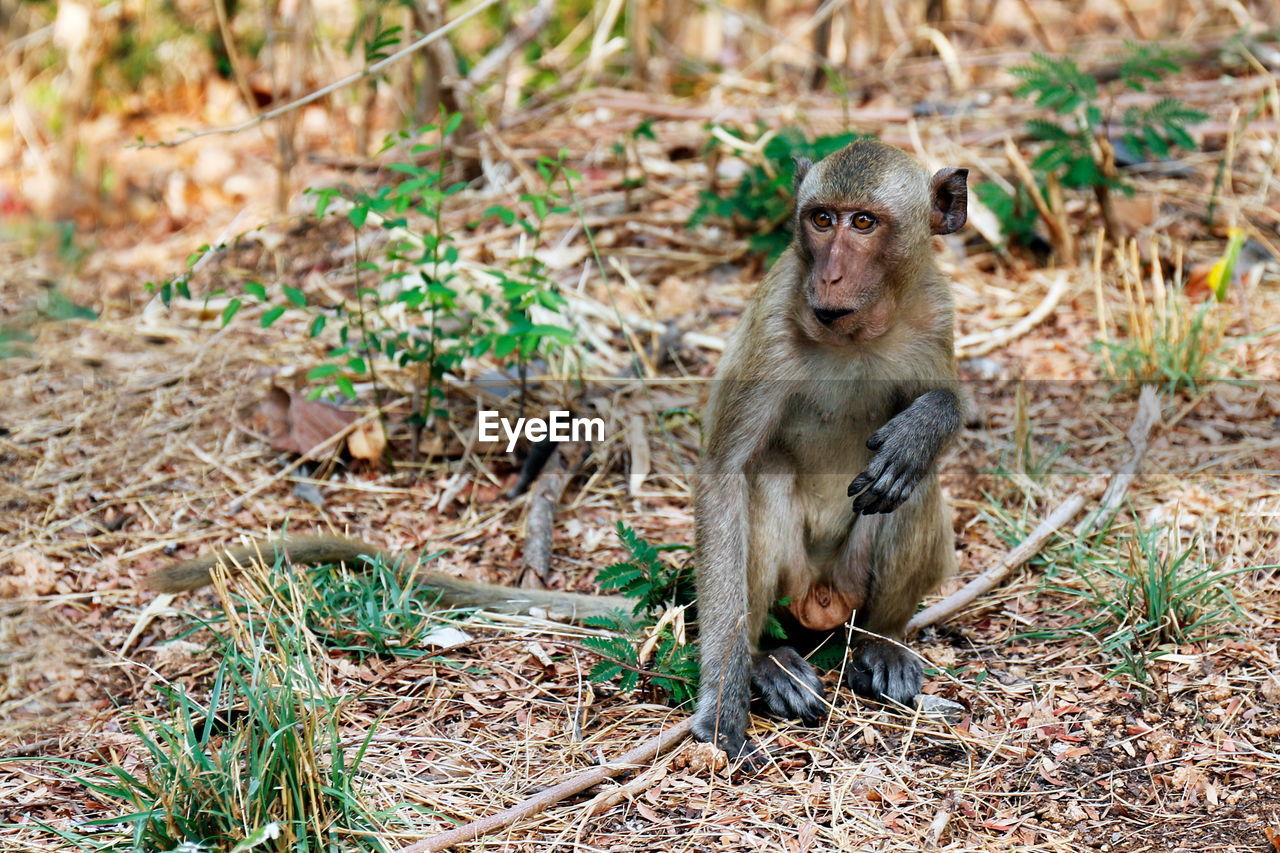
(795, 402)
(454, 592)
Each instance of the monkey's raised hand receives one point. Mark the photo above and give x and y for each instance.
(905, 449)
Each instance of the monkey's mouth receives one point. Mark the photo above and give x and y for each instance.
(829, 316)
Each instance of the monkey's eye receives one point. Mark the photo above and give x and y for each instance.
(822, 219)
(864, 221)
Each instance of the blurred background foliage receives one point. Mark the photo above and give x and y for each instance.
(78, 75)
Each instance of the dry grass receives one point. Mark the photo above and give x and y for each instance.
(127, 443)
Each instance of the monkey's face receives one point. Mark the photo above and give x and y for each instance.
(852, 248)
(864, 218)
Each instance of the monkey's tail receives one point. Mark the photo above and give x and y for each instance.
(454, 592)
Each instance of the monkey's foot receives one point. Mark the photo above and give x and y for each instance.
(885, 672)
(788, 685)
(734, 742)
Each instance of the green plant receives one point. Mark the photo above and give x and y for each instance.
(1080, 153)
(1015, 211)
(653, 644)
(1177, 356)
(373, 609)
(761, 203)
(414, 307)
(1146, 593)
(261, 764)
(1159, 335)
(13, 342)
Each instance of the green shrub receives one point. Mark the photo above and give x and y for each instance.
(653, 634)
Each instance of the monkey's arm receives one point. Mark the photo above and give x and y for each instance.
(905, 449)
(454, 591)
(740, 421)
(720, 512)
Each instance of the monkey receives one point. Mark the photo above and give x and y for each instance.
(841, 366)
(454, 592)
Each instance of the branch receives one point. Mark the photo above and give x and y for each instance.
(988, 580)
(972, 346)
(643, 753)
(332, 87)
(1139, 437)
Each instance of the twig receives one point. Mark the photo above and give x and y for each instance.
(988, 580)
(608, 799)
(1059, 234)
(332, 87)
(646, 752)
(972, 346)
(1139, 437)
(541, 518)
(534, 23)
(26, 750)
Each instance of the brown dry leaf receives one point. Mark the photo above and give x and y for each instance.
(32, 574)
(298, 425)
(367, 441)
(1197, 286)
(1273, 835)
(700, 757)
(1134, 213)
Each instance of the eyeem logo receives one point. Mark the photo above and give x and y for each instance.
(559, 426)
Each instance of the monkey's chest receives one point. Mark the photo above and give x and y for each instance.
(824, 433)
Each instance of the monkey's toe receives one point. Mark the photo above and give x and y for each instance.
(788, 685)
(732, 739)
(884, 671)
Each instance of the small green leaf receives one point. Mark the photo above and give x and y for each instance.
(230, 311)
(294, 295)
(322, 371)
(271, 316)
(254, 288)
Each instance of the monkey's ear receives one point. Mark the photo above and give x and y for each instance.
(802, 165)
(950, 200)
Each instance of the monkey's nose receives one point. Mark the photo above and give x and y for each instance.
(827, 316)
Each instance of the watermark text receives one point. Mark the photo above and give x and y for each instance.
(559, 425)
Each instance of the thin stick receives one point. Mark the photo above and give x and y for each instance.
(972, 346)
(646, 752)
(541, 520)
(988, 580)
(332, 87)
(1139, 437)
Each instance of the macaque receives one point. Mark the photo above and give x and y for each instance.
(842, 368)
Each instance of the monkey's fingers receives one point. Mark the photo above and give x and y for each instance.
(860, 484)
(885, 672)
(789, 686)
(872, 498)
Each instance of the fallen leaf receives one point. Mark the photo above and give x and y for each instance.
(445, 636)
(298, 425)
(367, 441)
(1132, 214)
